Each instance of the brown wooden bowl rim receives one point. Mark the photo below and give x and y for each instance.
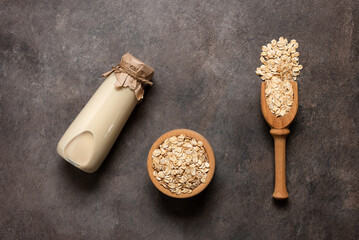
(207, 147)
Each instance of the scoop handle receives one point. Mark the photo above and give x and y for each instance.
(280, 188)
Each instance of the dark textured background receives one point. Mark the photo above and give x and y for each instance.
(52, 54)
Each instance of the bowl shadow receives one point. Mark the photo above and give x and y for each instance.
(185, 207)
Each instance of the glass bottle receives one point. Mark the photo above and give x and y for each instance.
(91, 135)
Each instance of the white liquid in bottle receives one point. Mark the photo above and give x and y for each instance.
(90, 137)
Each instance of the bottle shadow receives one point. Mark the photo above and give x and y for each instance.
(82, 181)
(78, 179)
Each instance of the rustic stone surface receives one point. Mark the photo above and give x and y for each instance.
(52, 54)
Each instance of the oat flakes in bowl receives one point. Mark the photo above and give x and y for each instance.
(181, 163)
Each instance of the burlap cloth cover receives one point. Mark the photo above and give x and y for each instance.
(132, 73)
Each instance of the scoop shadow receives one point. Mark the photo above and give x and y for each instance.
(281, 204)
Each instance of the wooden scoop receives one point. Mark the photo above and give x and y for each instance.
(279, 130)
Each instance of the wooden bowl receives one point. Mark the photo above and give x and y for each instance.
(191, 134)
